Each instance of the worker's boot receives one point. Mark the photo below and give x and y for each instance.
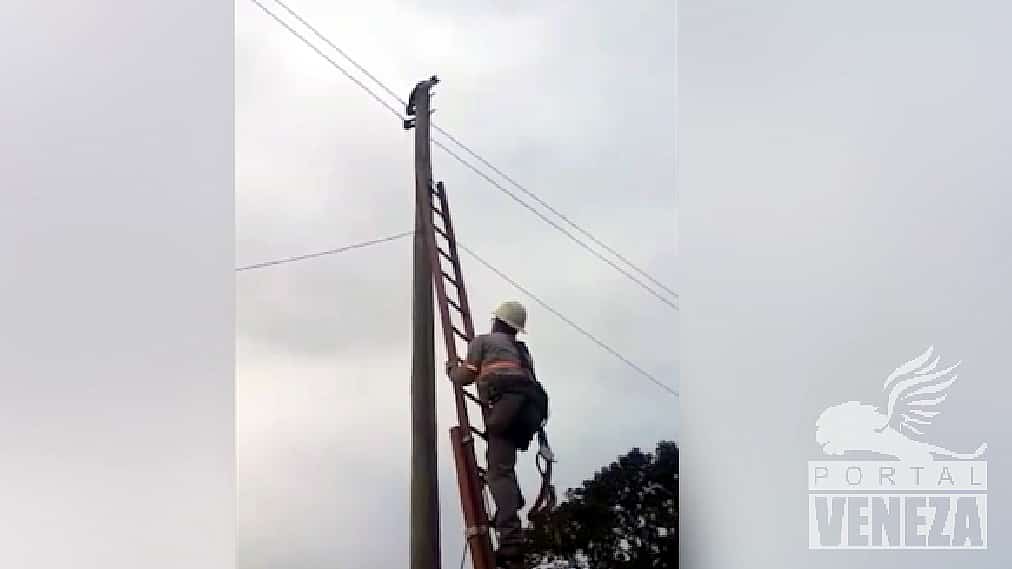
(510, 556)
(510, 564)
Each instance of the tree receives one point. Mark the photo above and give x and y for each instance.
(625, 517)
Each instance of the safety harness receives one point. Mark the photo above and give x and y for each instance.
(544, 458)
(495, 366)
(545, 501)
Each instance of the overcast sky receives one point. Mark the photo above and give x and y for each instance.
(578, 103)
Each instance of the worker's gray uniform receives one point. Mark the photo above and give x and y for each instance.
(502, 452)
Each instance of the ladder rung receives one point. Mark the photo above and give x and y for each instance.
(441, 232)
(449, 278)
(455, 305)
(473, 397)
(446, 256)
(460, 334)
(438, 211)
(481, 434)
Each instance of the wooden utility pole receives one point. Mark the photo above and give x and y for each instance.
(424, 517)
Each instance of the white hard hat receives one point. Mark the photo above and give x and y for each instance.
(512, 313)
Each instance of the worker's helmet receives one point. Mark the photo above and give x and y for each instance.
(513, 313)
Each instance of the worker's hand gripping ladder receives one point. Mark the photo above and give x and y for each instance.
(455, 315)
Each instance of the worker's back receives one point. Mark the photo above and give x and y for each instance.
(487, 350)
(507, 370)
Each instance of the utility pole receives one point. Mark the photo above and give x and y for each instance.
(424, 516)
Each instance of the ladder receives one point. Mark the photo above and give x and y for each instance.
(457, 326)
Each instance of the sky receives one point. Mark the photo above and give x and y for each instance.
(576, 102)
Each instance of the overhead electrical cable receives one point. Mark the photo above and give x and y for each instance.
(474, 154)
(600, 343)
(323, 253)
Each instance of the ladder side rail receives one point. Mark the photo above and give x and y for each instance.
(441, 301)
(479, 533)
(449, 339)
(458, 274)
(471, 485)
(454, 254)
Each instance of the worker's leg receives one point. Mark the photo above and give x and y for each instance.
(502, 481)
(503, 413)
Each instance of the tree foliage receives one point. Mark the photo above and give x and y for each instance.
(625, 517)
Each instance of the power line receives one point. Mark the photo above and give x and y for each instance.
(555, 211)
(572, 324)
(322, 253)
(328, 58)
(327, 41)
(501, 275)
(477, 156)
(558, 227)
(473, 153)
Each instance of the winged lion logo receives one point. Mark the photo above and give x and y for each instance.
(914, 389)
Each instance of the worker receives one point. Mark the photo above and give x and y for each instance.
(518, 407)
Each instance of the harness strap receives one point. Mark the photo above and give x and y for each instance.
(476, 530)
(546, 494)
(490, 367)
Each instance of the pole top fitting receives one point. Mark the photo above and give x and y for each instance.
(409, 108)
